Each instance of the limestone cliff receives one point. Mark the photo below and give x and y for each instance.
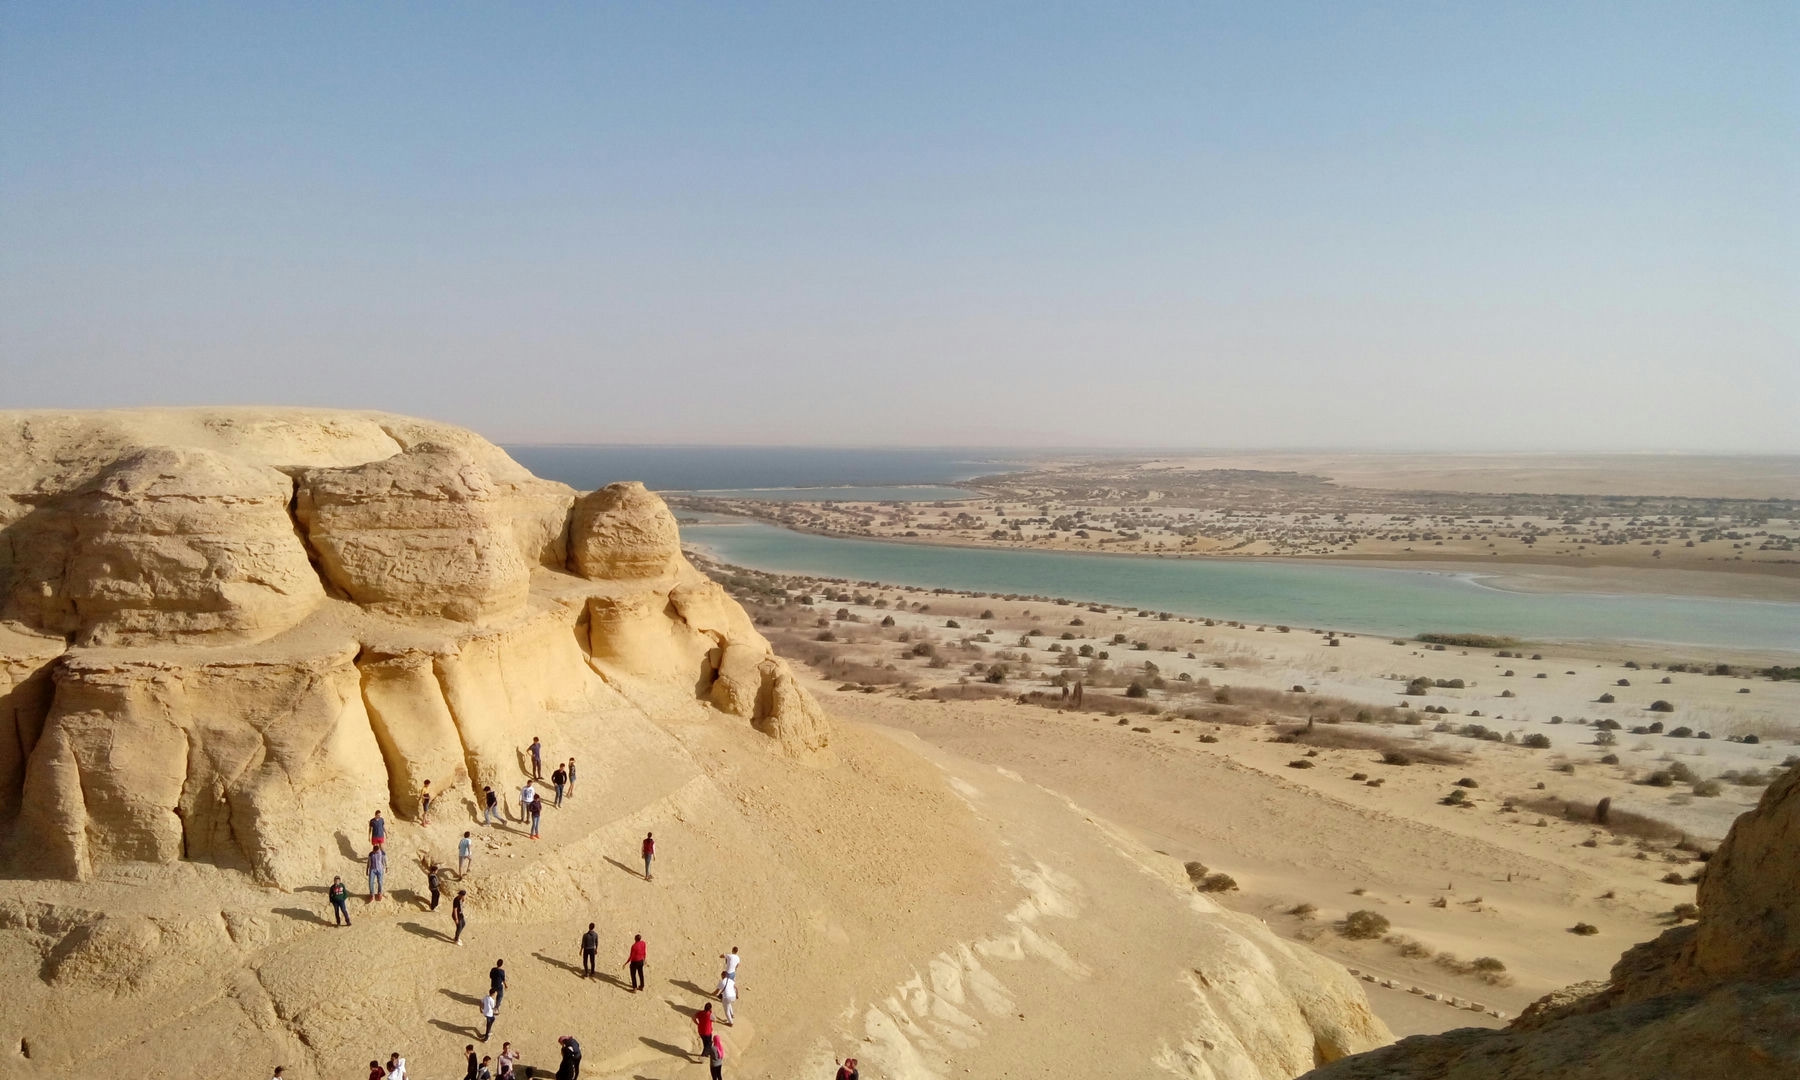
(229, 633)
(1720, 998)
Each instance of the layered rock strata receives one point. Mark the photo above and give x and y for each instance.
(229, 634)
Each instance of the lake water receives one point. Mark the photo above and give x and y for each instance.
(775, 472)
(1321, 595)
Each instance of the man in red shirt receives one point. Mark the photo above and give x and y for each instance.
(649, 853)
(704, 1021)
(639, 953)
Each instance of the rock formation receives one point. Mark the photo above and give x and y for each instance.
(1718, 998)
(229, 633)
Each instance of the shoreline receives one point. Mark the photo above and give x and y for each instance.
(1509, 573)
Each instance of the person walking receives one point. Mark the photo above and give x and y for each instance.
(396, 1067)
(377, 874)
(704, 1021)
(847, 1070)
(727, 993)
(590, 948)
(376, 1072)
(649, 846)
(425, 803)
(561, 779)
(537, 814)
(458, 917)
(377, 830)
(731, 963)
(490, 807)
(474, 1063)
(537, 759)
(433, 885)
(489, 1006)
(571, 778)
(640, 953)
(339, 895)
(485, 1070)
(280, 1070)
(507, 1061)
(716, 1057)
(570, 1067)
(465, 848)
(497, 982)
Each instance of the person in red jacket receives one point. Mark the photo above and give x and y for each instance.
(704, 1021)
(847, 1071)
(639, 953)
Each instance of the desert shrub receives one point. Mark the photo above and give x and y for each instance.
(1359, 776)
(1467, 781)
(1395, 757)
(1363, 925)
(1300, 763)
(1681, 733)
(1659, 705)
(1536, 741)
(1303, 911)
(1469, 641)
(987, 613)
(1456, 798)
(1660, 778)
(1673, 878)
(1609, 759)
(1684, 912)
(1707, 789)
(1584, 929)
(1751, 740)
(1605, 738)
(1602, 810)
(1623, 682)
(1196, 871)
(952, 624)
(1606, 699)
(1218, 883)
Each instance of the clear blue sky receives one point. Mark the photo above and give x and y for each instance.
(1481, 225)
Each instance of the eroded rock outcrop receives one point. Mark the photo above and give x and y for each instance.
(1720, 998)
(229, 635)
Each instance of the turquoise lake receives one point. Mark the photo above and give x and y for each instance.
(1321, 595)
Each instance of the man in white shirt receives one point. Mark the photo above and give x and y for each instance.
(396, 1067)
(727, 991)
(731, 963)
(488, 1007)
(526, 794)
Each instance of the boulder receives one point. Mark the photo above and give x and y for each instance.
(422, 533)
(622, 532)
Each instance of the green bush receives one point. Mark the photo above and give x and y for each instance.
(1363, 925)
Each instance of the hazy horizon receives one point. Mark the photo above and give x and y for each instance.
(1291, 227)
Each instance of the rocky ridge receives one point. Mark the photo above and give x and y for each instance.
(228, 633)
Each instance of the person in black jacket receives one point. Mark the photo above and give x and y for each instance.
(339, 894)
(570, 1069)
(590, 946)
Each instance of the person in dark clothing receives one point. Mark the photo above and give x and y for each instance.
(457, 917)
(433, 884)
(537, 759)
(649, 847)
(590, 947)
(377, 830)
(490, 807)
(474, 1061)
(339, 894)
(570, 1068)
(847, 1070)
(560, 777)
(640, 952)
(497, 981)
(537, 814)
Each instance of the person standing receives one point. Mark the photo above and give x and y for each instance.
(561, 779)
(570, 1067)
(590, 947)
(485, 1071)
(425, 803)
(716, 1057)
(649, 846)
(490, 807)
(474, 1063)
(433, 885)
(279, 1070)
(457, 916)
(396, 1067)
(704, 1021)
(526, 794)
(537, 759)
(507, 1061)
(571, 778)
(847, 1070)
(377, 830)
(727, 992)
(339, 895)
(640, 953)
(377, 874)
(465, 848)
(376, 1072)
(537, 814)
(497, 982)
(489, 1006)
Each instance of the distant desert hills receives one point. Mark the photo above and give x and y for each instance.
(223, 627)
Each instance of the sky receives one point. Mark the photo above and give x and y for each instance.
(1474, 226)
